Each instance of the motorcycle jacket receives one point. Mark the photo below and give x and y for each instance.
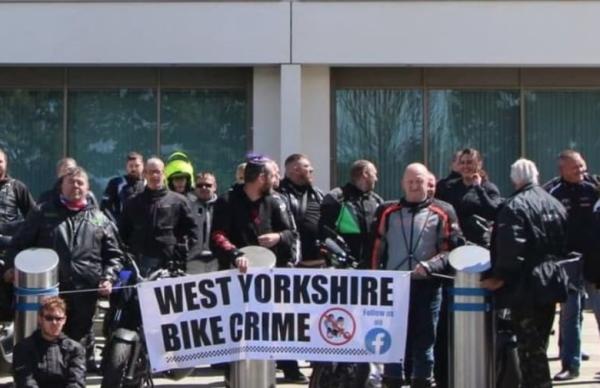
(117, 192)
(476, 207)
(530, 226)
(350, 212)
(15, 200)
(304, 203)
(158, 224)
(238, 222)
(84, 240)
(409, 233)
(38, 363)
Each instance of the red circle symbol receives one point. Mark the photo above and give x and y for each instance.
(337, 326)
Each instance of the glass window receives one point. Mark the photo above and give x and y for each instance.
(31, 126)
(210, 126)
(485, 120)
(105, 125)
(556, 120)
(384, 126)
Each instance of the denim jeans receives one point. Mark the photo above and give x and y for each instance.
(570, 330)
(423, 312)
(593, 295)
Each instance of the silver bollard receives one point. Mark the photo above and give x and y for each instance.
(36, 276)
(472, 351)
(255, 373)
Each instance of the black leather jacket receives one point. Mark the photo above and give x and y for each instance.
(84, 240)
(239, 221)
(158, 223)
(15, 200)
(38, 363)
(531, 225)
(360, 207)
(117, 192)
(304, 204)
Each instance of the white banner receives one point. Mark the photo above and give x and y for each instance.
(278, 314)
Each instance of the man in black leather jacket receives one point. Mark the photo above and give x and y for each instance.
(86, 244)
(120, 189)
(157, 225)
(48, 358)
(350, 211)
(530, 229)
(304, 201)
(251, 214)
(578, 192)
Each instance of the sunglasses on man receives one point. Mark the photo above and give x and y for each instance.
(53, 318)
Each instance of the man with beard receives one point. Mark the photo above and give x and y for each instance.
(120, 189)
(250, 214)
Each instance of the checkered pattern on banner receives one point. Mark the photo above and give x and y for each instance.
(266, 349)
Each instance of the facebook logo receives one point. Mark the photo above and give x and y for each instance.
(378, 341)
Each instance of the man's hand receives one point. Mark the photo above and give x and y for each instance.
(269, 240)
(105, 288)
(420, 272)
(242, 263)
(492, 284)
(9, 275)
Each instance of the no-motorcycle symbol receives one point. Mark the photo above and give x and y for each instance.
(337, 326)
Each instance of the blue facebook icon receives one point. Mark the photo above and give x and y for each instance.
(378, 341)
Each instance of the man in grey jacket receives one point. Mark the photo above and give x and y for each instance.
(202, 199)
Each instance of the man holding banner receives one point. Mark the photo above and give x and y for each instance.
(414, 235)
(250, 214)
(350, 210)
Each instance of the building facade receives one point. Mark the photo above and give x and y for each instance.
(390, 81)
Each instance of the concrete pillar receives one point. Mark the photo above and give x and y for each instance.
(316, 122)
(291, 110)
(266, 111)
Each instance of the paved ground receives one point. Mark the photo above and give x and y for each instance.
(205, 377)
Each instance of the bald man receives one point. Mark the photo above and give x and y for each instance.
(158, 224)
(414, 235)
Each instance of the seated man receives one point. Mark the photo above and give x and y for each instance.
(48, 358)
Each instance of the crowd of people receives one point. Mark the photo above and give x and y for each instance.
(163, 214)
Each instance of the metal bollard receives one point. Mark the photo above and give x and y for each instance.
(255, 373)
(36, 276)
(472, 356)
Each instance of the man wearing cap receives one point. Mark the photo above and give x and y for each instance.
(120, 189)
(251, 214)
(530, 229)
(415, 234)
